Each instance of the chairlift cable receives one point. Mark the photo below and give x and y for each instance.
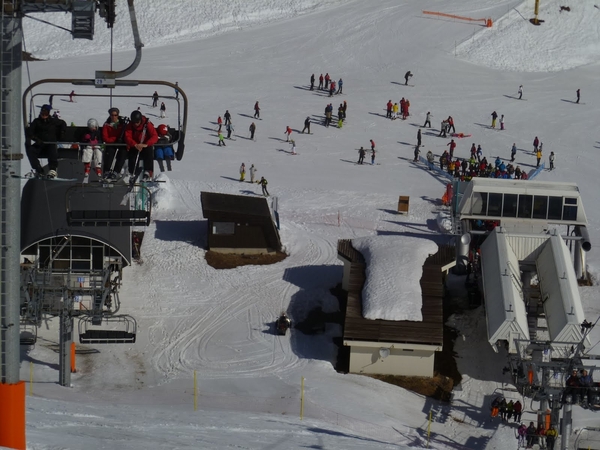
(112, 30)
(47, 23)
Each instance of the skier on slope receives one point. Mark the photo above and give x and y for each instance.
(451, 128)
(227, 117)
(253, 171)
(155, 99)
(287, 132)
(242, 172)
(407, 76)
(306, 125)
(361, 155)
(452, 146)
(427, 120)
(163, 110)
(389, 107)
(256, 110)
(221, 140)
(252, 130)
(312, 82)
(430, 159)
(520, 92)
(263, 183)
(494, 117)
(417, 151)
(419, 137)
(513, 152)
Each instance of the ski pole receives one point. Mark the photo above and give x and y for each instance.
(135, 165)
(114, 161)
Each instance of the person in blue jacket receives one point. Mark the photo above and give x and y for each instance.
(163, 149)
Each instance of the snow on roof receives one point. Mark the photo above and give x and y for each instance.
(392, 289)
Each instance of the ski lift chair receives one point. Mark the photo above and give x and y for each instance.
(28, 332)
(68, 148)
(123, 332)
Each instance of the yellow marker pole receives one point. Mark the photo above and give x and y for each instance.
(195, 392)
(536, 10)
(302, 399)
(30, 378)
(429, 428)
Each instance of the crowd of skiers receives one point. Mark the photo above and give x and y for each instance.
(399, 109)
(527, 436)
(327, 84)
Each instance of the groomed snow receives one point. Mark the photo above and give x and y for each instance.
(217, 324)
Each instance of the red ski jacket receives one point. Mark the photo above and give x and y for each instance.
(133, 133)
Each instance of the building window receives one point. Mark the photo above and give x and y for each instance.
(223, 228)
(495, 205)
(570, 209)
(525, 206)
(479, 205)
(555, 205)
(540, 207)
(509, 208)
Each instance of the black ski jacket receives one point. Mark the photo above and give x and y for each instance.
(48, 129)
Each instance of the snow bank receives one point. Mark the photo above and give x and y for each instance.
(559, 43)
(178, 21)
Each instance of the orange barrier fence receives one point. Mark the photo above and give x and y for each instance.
(488, 22)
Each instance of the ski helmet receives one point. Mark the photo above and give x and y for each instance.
(162, 129)
(136, 116)
(113, 110)
(92, 123)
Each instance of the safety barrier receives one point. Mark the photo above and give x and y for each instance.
(488, 22)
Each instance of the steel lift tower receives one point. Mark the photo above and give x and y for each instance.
(12, 390)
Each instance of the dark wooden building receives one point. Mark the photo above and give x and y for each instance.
(387, 346)
(239, 224)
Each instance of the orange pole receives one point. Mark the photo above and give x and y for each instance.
(73, 369)
(12, 415)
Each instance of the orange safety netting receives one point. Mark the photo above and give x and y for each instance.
(488, 21)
